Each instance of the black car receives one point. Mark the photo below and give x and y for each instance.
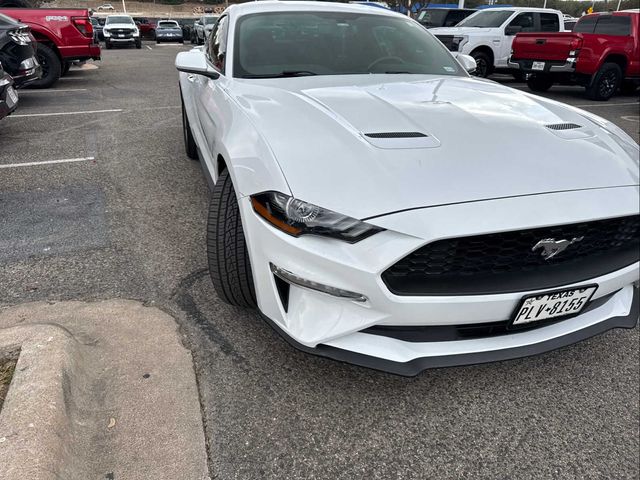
(17, 52)
(98, 25)
(443, 17)
(8, 95)
(168, 31)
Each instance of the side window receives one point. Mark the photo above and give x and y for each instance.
(217, 46)
(586, 25)
(549, 22)
(524, 20)
(618, 25)
(454, 18)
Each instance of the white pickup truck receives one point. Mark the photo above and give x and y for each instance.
(487, 34)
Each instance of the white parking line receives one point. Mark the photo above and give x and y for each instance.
(55, 90)
(149, 47)
(631, 118)
(609, 104)
(64, 113)
(47, 162)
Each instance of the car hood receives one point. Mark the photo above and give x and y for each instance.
(119, 25)
(482, 140)
(460, 30)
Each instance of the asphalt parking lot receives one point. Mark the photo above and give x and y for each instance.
(121, 212)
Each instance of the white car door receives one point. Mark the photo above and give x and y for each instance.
(210, 98)
(526, 22)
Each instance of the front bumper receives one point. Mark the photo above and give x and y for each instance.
(7, 104)
(333, 326)
(169, 38)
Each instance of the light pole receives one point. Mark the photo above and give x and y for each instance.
(124, 7)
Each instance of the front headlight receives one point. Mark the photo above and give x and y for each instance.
(621, 137)
(296, 217)
(106, 32)
(458, 42)
(136, 32)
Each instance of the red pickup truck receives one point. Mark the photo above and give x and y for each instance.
(63, 35)
(602, 54)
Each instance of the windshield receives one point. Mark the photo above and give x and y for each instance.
(210, 20)
(271, 45)
(119, 19)
(433, 17)
(486, 19)
(168, 25)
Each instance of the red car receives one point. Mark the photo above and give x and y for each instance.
(147, 27)
(63, 35)
(602, 54)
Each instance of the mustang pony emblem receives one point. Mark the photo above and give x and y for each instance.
(552, 247)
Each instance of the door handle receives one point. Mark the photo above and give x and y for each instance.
(191, 78)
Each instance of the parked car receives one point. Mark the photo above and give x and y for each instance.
(443, 17)
(64, 35)
(602, 54)
(17, 52)
(8, 94)
(121, 30)
(106, 7)
(187, 25)
(487, 34)
(569, 24)
(169, 31)
(147, 27)
(203, 27)
(346, 209)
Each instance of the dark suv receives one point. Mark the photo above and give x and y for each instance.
(443, 17)
(17, 52)
(8, 96)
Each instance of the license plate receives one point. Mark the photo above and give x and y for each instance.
(121, 35)
(537, 66)
(12, 97)
(546, 306)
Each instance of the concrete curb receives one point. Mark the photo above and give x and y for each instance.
(34, 425)
(102, 390)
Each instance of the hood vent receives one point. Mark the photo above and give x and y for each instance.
(396, 135)
(563, 126)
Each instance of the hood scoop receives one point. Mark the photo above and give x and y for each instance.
(569, 131)
(401, 140)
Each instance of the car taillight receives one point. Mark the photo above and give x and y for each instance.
(575, 44)
(83, 24)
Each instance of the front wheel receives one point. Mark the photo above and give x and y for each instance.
(605, 83)
(539, 83)
(138, 44)
(484, 64)
(107, 44)
(229, 265)
(51, 67)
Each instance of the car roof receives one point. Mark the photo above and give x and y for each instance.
(521, 9)
(304, 6)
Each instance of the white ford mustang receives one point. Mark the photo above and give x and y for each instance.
(382, 207)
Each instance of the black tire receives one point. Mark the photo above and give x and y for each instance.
(229, 265)
(519, 76)
(539, 83)
(605, 83)
(189, 143)
(193, 39)
(107, 45)
(152, 34)
(484, 64)
(157, 41)
(65, 68)
(138, 44)
(51, 67)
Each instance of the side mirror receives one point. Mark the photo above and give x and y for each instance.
(512, 29)
(467, 62)
(194, 62)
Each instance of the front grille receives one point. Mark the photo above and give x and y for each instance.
(505, 262)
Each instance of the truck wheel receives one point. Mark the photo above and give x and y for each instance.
(605, 83)
(229, 265)
(51, 67)
(519, 76)
(107, 44)
(484, 64)
(189, 143)
(539, 83)
(138, 44)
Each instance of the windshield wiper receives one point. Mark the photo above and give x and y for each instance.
(283, 74)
